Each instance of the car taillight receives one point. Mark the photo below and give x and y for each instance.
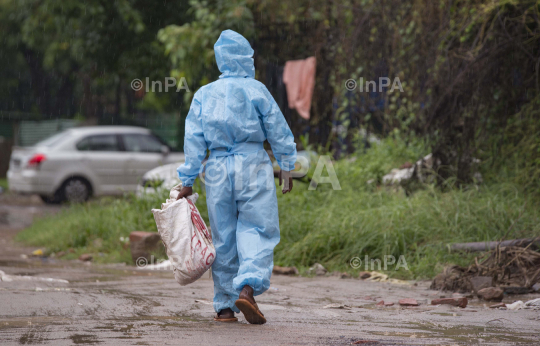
(36, 160)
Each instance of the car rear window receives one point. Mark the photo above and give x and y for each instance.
(99, 143)
(142, 143)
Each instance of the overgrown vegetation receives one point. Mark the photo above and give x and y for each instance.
(327, 226)
(100, 227)
(470, 70)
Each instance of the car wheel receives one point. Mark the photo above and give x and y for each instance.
(76, 190)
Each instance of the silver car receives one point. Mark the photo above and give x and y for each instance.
(87, 161)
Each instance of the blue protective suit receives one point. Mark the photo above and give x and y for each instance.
(232, 117)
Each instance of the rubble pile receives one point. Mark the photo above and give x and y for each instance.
(514, 269)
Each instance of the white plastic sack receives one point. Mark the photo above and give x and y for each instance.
(187, 239)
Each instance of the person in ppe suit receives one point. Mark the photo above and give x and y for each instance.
(231, 118)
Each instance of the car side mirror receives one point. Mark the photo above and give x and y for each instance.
(165, 150)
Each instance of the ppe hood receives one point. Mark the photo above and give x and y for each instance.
(234, 55)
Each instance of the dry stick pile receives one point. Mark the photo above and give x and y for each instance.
(508, 266)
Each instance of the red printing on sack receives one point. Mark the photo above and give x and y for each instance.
(201, 227)
(208, 258)
(197, 220)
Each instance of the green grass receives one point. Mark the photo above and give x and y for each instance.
(332, 227)
(327, 226)
(100, 227)
(4, 184)
(383, 223)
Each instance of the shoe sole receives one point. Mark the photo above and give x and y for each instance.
(226, 319)
(251, 313)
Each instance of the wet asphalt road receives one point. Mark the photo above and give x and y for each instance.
(120, 305)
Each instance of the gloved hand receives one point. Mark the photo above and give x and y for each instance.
(286, 178)
(186, 191)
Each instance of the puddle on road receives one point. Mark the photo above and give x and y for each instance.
(32, 330)
(31, 322)
(81, 339)
(462, 334)
(452, 314)
(177, 318)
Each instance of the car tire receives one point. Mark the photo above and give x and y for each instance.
(75, 190)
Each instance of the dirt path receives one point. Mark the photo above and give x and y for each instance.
(117, 305)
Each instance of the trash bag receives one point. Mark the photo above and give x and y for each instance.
(186, 238)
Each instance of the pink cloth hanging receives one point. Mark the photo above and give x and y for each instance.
(299, 79)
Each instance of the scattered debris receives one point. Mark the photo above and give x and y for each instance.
(516, 305)
(460, 302)
(285, 270)
(376, 276)
(452, 278)
(408, 302)
(406, 165)
(38, 253)
(317, 269)
(397, 175)
(380, 277)
(479, 282)
(341, 275)
(202, 301)
(491, 294)
(364, 275)
(420, 171)
(533, 303)
(85, 257)
(8, 278)
(517, 290)
(337, 306)
(498, 305)
(507, 266)
(142, 244)
(383, 303)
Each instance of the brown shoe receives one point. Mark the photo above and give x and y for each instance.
(246, 303)
(225, 315)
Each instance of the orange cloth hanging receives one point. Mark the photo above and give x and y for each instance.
(299, 79)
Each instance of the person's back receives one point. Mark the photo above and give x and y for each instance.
(230, 108)
(232, 117)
